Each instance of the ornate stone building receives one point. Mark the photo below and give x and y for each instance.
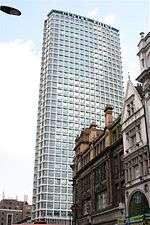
(136, 131)
(144, 77)
(98, 183)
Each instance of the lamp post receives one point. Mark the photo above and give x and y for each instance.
(10, 10)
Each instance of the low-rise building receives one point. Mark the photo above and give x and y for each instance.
(13, 211)
(144, 77)
(136, 154)
(98, 179)
(136, 134)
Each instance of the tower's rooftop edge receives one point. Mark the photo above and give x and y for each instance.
(82, 17)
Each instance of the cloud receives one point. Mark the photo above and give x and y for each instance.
(19, 81)
(109, 19)
(94, 14)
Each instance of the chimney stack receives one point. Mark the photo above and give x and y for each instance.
(108, 115)
(142, 35)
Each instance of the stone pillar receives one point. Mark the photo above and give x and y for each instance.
(108, 115)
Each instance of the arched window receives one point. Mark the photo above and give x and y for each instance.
(138, 204)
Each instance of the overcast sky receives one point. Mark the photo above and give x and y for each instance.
(20, 56)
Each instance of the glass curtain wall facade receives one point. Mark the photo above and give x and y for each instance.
(81, 72)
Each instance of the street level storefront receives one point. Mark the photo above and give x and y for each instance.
(109, 217)
(139, 220)
(139, 211)
(38, 224)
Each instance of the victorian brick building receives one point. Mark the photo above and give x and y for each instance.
(98, 180)
(13, 211)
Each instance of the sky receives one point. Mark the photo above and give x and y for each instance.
(20, 58)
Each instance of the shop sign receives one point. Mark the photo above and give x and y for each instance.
(138, 218)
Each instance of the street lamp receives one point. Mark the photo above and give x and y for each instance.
(9, 10)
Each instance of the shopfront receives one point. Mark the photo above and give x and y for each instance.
(138, 211)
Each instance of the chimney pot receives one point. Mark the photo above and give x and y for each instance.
(108, 115)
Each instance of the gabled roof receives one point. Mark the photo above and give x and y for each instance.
(136, 90)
